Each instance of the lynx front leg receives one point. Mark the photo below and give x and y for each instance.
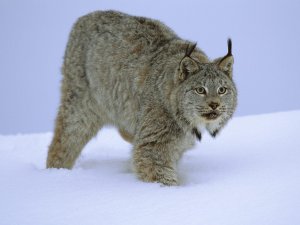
(156, 152)
(155, 162)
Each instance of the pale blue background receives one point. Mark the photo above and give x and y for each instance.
(33, 35)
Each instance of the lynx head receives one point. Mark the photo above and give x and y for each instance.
(207, 94)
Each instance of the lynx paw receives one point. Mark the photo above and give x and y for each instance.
(164, 175)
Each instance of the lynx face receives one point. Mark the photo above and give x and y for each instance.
(209, 97)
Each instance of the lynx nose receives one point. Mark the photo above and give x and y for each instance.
(213, 105)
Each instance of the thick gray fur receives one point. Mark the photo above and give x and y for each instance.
(134, 73)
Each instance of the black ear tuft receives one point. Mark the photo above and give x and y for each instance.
(190, 49)
(229, 51)
(226, 63)
(229, 44)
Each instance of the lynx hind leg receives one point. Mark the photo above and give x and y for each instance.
(75, 126)
(126, 135)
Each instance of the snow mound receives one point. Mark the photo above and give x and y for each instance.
(250, 174)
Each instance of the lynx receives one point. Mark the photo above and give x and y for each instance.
(136, 74)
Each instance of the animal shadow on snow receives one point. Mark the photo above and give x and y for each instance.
(106, 166)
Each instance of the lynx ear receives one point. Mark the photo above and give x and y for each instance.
(226, 63)
(187, 65)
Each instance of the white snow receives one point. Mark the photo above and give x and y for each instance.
(250, 174)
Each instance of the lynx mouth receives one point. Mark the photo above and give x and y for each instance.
(211, 115)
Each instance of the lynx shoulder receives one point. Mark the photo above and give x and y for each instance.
(135, 73)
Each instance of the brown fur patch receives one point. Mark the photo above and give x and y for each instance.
(137, 49)
(143, 75)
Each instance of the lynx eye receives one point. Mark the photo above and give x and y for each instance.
(222, 90)
(200, 90)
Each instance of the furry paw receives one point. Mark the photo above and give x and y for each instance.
(159, 174)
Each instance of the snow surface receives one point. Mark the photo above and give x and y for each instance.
(250, 175)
